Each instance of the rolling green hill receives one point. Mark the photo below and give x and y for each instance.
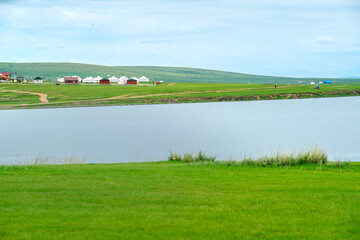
(51, 71)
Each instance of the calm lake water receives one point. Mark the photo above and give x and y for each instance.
(151, 132)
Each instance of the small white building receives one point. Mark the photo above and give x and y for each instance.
(312, 83)
(143, 79)
(38, 80)
(60, 80)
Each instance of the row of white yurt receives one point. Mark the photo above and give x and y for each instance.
(122, 80)
(89, 80)
(113, 79)
(92, 80)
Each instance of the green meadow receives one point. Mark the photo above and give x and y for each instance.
(84, 95)
(10, 98)
(178, 200)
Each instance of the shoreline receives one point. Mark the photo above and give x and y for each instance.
(220, 162)
(208, 99)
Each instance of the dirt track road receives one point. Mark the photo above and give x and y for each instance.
(182, 93)
(42, 96)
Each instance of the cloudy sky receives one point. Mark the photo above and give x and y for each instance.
(310, 38)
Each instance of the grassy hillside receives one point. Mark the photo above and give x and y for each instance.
(50, 71)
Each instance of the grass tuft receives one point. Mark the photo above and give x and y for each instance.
(15, 167)
(55, 161)
(340, 164)
(190, 157)
(175, 157)
(312, 156)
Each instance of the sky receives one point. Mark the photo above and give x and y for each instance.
(307, 38)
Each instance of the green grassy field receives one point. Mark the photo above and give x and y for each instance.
(85, 95)
(17, 98)
(173, 200)
(51, 71)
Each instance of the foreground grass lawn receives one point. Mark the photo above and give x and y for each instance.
(177, 200)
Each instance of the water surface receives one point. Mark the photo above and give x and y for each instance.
(151, 132)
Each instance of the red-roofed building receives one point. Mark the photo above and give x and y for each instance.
(104, 81)
(6, 74)
(131, 81)
(71, 80)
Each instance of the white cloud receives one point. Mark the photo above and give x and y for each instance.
(323, 39)
(42, 46)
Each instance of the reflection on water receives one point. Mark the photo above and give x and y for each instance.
(151, 132)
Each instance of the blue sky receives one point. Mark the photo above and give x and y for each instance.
(311, 38)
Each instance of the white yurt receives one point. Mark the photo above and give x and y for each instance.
(143, 79)
(312, 83)
(113, 79)
(60, 80)
(97, 79)
(89, 80)
(122, 80)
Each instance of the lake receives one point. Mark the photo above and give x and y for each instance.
(229, 130)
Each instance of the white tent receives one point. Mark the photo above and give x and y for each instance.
(143, 79)
(312, 83)
(89, 80)
(60, 80)
(113, 79)
(97, 79)
(122, 80)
